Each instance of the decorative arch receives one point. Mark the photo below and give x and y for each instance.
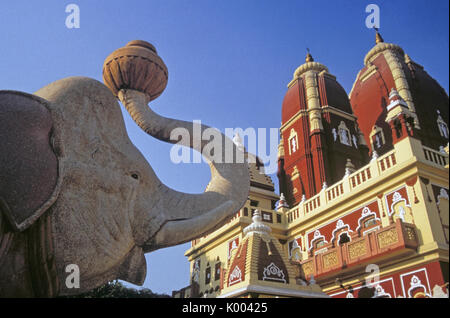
(317, 240)
(295, 249)
(368, 221)
(417, 289)
(400, 209)
(340, 229)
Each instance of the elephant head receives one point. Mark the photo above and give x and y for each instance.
(75, 190)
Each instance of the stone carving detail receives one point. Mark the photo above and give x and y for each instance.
(308, 269)
(357, 249)
(387, 238)
(273, 272)
(235, 276)
(330, 260)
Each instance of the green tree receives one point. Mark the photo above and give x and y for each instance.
(116, 289)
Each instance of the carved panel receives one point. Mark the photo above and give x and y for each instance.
(387, 238)
(330, 259)
(308, 269)
(274, 273)
(357, 249)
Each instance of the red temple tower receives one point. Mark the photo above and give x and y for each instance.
(391, 79)
(320, 138)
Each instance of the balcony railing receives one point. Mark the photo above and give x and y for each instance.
(373, 170)
(364, 247)
(435, 157)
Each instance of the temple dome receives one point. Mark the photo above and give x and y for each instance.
(331, 92)
(387, 67)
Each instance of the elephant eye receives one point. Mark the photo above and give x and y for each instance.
(135, 176)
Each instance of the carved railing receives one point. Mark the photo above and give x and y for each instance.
(360, 177)
(398, 237)
(335, 191)
(354, 180)
(436, 157)
(387, 161)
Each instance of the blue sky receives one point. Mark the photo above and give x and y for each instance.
(229, 63)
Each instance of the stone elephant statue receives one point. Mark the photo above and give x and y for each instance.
(75, 190)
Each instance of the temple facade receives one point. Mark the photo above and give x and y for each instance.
(364, 204)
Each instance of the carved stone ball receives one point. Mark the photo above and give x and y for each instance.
(136, 66)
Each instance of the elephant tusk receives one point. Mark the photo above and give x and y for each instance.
(184, 230)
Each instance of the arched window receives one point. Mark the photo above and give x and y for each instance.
(371, 221)
(343, 238)
(217, 270)
(207, 274)
(319, 243)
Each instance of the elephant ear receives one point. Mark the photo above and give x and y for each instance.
(28, 165)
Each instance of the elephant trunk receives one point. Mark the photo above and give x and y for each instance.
(192, 215)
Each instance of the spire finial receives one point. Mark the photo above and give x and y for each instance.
(257, 226)
(282, 202)
(378, 37)
(309, 57)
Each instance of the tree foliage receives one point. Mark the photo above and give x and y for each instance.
(116, 289)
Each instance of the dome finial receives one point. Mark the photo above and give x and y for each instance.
(378, 37)
(309, 57)
(257, 226)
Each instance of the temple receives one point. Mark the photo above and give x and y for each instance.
(363, 209)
